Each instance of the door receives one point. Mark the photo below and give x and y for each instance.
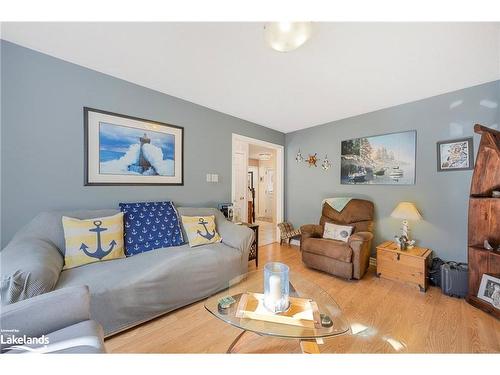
(269, 193)
(240, 168)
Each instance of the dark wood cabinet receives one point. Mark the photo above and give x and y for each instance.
(484, 216)
(254, 249)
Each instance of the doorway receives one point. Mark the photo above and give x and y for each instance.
(257, 185)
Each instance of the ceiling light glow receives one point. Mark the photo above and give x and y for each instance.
(287, 36)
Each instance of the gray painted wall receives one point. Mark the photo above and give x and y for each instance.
(42, 138)
(442, 197)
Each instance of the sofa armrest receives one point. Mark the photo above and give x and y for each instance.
(360, 243)
(237, 236)
(28, 267)
(311, 231)
(46, 313)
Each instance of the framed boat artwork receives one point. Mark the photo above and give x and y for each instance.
(126, 150)
(387, 159)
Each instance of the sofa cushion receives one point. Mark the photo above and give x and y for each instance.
(201, 230)
(330, 248)
(131, 290)
(92, 240)
(337, 232)
(150, 225)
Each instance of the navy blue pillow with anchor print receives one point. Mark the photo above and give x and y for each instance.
(149, 226)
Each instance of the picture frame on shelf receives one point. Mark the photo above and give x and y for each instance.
(127, 150)
(455, 154)
(489, 290)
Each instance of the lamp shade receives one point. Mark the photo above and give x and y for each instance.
(406, 211)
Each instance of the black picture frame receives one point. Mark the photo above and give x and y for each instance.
(470, 154)
(88, 182)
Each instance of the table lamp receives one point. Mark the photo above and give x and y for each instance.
(406, 211)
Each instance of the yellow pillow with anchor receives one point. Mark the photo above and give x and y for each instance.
(92, 240)
(200, 230)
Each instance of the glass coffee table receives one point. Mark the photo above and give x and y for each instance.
(329, 319)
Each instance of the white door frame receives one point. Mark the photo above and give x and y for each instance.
(280, 171)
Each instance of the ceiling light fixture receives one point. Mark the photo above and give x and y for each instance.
(287, 36)
(265, 156)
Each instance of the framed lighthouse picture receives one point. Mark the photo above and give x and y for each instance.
(125, 150)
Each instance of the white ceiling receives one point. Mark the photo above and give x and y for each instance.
(345, 69)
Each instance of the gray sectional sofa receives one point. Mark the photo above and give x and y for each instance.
(129, 291)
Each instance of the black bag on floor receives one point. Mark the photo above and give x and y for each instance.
(435, 271)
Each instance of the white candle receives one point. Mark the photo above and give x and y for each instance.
(274, 290)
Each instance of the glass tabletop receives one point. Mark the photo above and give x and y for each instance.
(331, 321)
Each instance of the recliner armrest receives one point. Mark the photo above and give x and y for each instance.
(311, 231)
(360, 243)
(360, 237)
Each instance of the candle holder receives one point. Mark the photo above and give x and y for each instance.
(276, 287)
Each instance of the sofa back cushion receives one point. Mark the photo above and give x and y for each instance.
(357, 213)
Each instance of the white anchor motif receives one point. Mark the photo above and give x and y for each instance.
(131, 217)
(144, 230)
(153, 228)
(141, 215)
(137, 223)
(157, 221)
(148, 221)
(141, 239)
(130, 240)
(134, 232)
(136, 247)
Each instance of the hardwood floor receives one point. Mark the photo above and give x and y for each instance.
(385, 317)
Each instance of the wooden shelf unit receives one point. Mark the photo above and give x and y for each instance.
(484, 215)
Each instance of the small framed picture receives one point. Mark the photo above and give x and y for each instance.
(489, 290)
(126, 150)
(455, 155)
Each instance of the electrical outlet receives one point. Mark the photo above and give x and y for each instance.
(209, 177)
(215, 178)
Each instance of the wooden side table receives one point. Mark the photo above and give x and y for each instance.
(409, 266)
(254, 249)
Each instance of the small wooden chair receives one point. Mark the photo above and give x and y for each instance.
(287, 232)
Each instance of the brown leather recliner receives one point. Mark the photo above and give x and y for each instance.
(345, 259)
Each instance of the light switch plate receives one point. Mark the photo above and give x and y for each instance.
(215, 178)
(209, 177)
